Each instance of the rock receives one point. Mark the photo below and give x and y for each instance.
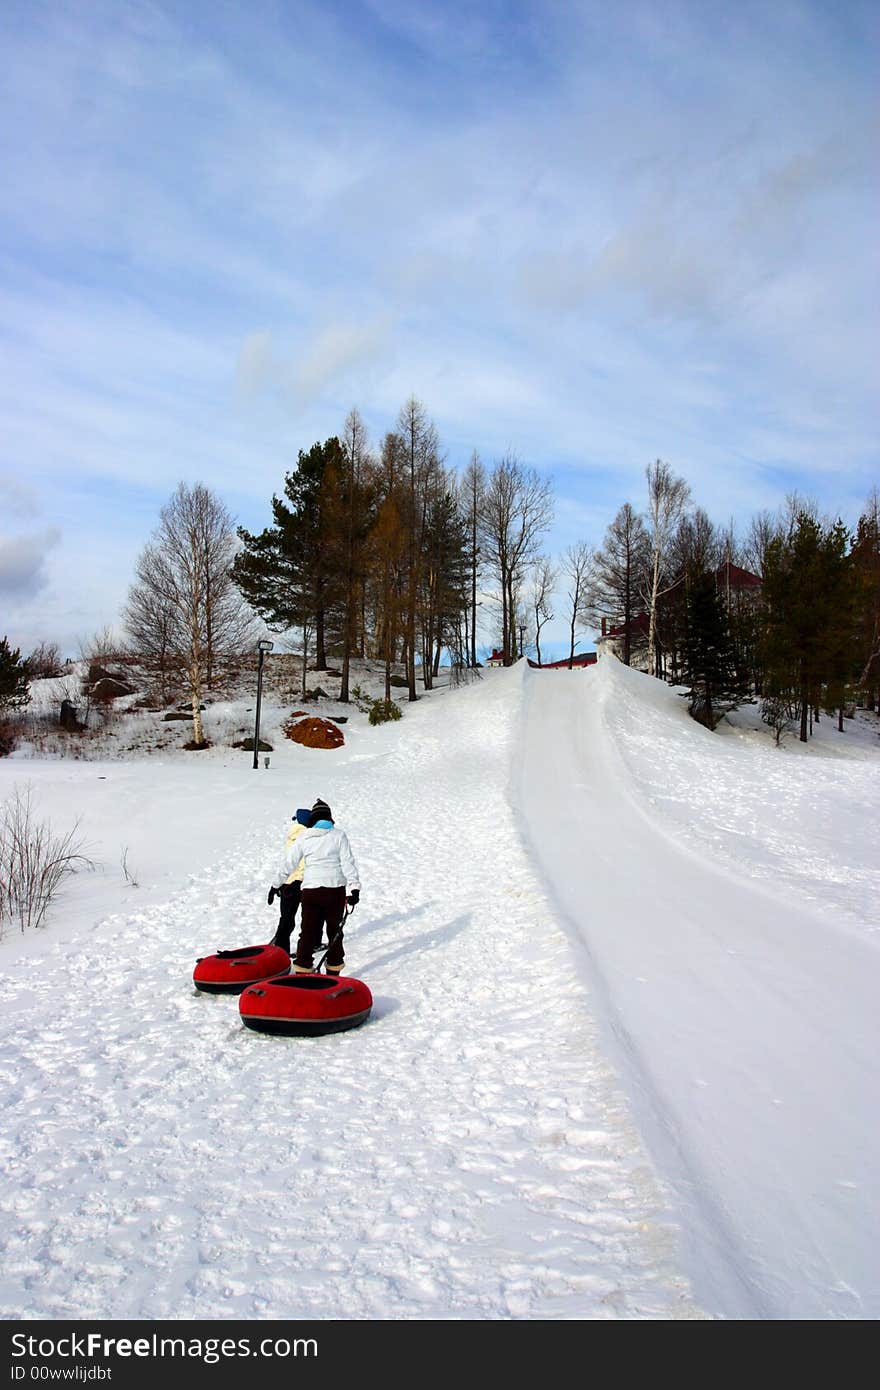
(177, 716)
(248, 745)
(109, 688)
(67, 719)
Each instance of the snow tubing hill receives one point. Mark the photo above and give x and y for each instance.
(228, 972)
(305, 1005)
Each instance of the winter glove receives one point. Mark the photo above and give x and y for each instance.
(271, 898)
(354, 897)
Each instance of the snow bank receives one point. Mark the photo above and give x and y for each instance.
(742, 1015)
(802, 818)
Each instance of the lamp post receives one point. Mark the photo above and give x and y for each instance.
(262, 647)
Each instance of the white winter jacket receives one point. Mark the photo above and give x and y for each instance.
(327, 859)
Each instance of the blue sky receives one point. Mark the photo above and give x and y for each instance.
(593, 234)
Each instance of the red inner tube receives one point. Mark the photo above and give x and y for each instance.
(317, 1002)
(232, 970)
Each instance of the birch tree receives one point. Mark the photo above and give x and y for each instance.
(184, 575)
(667, 498)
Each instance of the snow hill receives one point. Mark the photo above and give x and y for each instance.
(621, 1062)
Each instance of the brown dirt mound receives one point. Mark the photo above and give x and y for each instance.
(314, 733)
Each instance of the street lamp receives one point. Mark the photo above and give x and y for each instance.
(263, 647)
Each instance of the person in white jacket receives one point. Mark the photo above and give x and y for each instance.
(330, 879)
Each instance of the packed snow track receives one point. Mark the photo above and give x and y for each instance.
(742, 1012)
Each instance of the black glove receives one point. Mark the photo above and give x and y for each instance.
(354, 897)
(271, 898)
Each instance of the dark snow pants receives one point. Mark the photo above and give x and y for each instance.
(289, 899)
(320, 905)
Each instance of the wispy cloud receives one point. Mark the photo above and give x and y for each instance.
(593, 234)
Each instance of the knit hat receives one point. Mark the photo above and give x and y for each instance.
(321, 811)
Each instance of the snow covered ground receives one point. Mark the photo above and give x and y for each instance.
(466, 1154)
(623, 1056)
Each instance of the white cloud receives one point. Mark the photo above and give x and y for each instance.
(23, 562)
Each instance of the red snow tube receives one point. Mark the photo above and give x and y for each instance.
(305, 1005)
(227, 972)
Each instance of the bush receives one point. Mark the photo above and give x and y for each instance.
(33, 862)
(383, 711)
(779, 715)
(9, 736)
(44, 662)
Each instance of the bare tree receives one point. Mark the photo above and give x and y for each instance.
(543, 578)
(184, 576)
(473, 489)
(667, 498)
(357, 464)
(576, 568)
(619, 575)
(149, 619)
(517, 510)
(763, 529)
(421, 452)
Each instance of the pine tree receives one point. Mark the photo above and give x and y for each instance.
(709, 668)
(866, 582)
(14, 689)
(290, 572)
(807, 591)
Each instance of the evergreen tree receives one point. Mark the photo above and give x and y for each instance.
(866, 584)
(807, 591)
(290, 572)
(14, 689)
(709, 668)
(445, 576)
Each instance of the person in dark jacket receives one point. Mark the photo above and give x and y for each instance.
(288, 893)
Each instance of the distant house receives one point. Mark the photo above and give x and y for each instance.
(612, 641)
(731, 578)
(496, 659)
(735, 585)
(585, 659)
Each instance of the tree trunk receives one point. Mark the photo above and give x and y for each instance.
(320, 649)
(652, 616)
(195, 682)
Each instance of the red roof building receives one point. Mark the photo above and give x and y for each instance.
(585, 659)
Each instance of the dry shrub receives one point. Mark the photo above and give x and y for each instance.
(314, 733)
(34, 861)
(9, 736)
